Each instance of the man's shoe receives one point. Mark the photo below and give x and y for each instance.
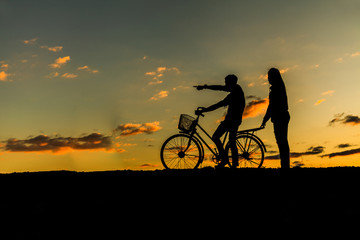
(222, 164)
(234, 165)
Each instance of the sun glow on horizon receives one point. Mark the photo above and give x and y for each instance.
(103, 92)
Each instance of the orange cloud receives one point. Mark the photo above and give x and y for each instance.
(319, 101)
(330, 93)
(255, 108)
(31, 41)
(4, 66)
(88, 69)
(339, 60)
(53, 75)
(59, 62)
(355, 54)
(53, 49)
(161, 69)
(150, 73)
(160, 73)
(44, 143)
(3, 76)
(161, 94)
(265, 77)
(69, 75)
(129, 129)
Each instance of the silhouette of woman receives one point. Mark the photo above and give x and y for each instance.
(278, 112)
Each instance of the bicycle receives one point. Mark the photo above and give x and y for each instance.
(186, 151)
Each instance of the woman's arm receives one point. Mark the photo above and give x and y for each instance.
(267, 116)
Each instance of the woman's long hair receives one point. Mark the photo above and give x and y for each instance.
(275, 78)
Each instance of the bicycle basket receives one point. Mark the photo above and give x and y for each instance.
(186, 122)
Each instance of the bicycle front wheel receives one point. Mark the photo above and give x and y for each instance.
(181, 152)
(250, 152)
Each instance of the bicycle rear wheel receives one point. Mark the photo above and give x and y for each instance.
(250, 152)
(175, 153)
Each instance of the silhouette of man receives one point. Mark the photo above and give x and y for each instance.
(278, 112)
(235, 101)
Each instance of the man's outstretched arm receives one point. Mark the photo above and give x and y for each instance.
(213, 87)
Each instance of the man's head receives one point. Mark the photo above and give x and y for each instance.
(231, 80)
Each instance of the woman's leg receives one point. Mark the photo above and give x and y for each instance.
(281, 135)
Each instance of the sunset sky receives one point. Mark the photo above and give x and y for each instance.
(99, 85)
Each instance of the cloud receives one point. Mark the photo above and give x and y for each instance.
(161, 69)
(3, 76)
(53, 75)
(339, 60)
(157, 81)
(160, 73)
(53, 49)
(319, 101)
(59, 62)
(255, 107)
(88, 69)
(4, 66)
(344, 145)
(330, 93)
(284, 70)
(31, 41)
(68, 75)
(347, 120)
(347, 56)
(130, 129)
(148, 165)
(263, 77)
(44, 143)
(342, 153)
(160, 95)
(327, 93)
(310, 151)
(355, 54)
(150, 73)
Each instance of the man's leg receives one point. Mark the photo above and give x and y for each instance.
(216, 138)
(233, 147)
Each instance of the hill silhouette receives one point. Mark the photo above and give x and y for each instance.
(55, 205)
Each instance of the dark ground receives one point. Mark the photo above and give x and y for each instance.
(108, 205)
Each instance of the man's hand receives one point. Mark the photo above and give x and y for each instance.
(200, 111)
(263, 124)
(200, 87)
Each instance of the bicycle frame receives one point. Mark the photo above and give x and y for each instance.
(198, 136)
(247, 132)
(193, 132)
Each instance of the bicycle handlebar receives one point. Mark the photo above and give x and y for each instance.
(198, 112)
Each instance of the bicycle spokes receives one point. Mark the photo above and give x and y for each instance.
(181, 152)
(250, 152)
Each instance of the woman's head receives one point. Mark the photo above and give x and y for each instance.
(274, 77)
